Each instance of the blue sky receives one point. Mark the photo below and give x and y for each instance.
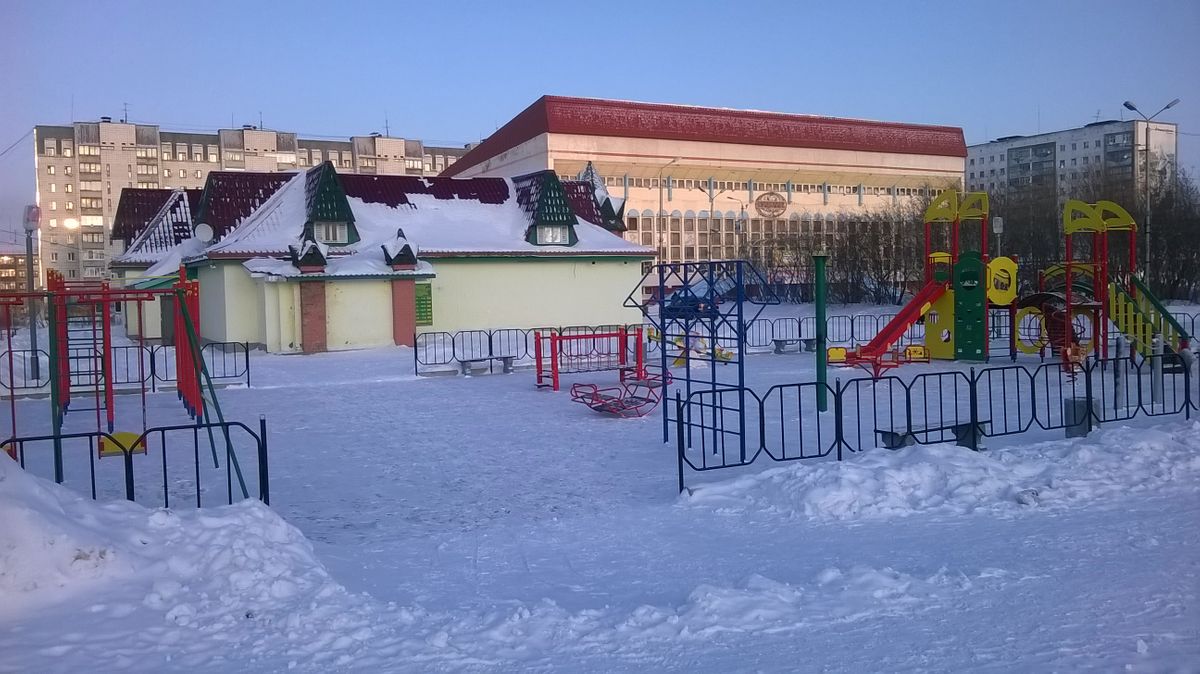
(449, 72)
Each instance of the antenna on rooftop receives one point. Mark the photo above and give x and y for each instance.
(386, 131)
(125, 113)
(1097, 115)
(260, 124)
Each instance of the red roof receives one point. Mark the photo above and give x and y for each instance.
(394, 190)
(135, 209)
(626, 119)
(230, 196)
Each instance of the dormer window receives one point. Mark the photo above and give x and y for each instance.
(331, 232)
(553, 235)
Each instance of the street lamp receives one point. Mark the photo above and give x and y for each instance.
(658, 216)
(1129, 105)
(33, 218)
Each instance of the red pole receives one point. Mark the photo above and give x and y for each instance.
(1069, 323)
(622, 358)
(641, 356)
(987, 280)
(106, 355)
(554, 359)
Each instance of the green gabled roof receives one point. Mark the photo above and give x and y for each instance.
(545, 201)
(325, 200)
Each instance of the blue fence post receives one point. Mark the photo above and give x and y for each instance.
(679, 437)
(973, 389)
(264, 481)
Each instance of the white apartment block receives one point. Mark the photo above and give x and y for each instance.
(1110, 154)
(82, 168)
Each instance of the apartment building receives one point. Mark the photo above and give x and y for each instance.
(1109, 157)
(708, 183)
(12, 266)
(82, 168)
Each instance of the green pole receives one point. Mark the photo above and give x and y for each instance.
(56, 383)
(822, 351)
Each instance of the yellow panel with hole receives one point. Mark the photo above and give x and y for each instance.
(939, 328)
(1114, 217)
(1079, 216)
(1002, 281)
(943, 208)
(836, 354)
(1031, 327)
(973, 206)
(916, 352)
(120, 441)
(939, 257)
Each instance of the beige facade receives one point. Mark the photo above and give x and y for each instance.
(716, 197)
(817, 187)
(82, 168)
(484, 294)
(12, 267)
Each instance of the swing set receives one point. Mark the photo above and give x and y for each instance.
(81, 376)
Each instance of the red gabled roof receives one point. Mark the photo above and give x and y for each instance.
(135, 209)
(627, 119)
(230, 196)
(394, 190)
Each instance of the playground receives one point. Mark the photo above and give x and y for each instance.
(629, 498)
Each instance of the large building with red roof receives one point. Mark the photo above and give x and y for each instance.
(723, 180)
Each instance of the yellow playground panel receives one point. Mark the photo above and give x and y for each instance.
(117, 443)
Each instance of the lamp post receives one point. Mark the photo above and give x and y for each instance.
(1129, 105)
(33, 217)
(658, 216)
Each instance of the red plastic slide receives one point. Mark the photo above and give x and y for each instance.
(895, 329)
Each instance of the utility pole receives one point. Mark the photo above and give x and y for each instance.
(1129, 105)
(33, 216)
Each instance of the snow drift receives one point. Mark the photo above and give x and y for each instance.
(944, 478)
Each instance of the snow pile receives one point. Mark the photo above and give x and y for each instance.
(944, 478)
(224, 571)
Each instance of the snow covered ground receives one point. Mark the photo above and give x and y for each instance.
(451, 523)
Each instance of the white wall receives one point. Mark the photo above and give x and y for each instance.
(281, 320)
(231, 304)
(358, 314)
(532, 292)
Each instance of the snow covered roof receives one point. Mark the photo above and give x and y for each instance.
(230, 196)
(438, 217)
(657, 121)
(138, 207)
(166, 228)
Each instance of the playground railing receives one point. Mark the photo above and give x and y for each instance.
(733, 426)
(132, 365)
(441, 349)
(203, 464)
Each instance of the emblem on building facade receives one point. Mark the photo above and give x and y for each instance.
(770, 204)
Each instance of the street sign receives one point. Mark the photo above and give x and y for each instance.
(997, 225)
(33, 217)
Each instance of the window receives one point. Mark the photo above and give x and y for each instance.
(51, 147)
(553, 235)
(1085, 146)
(54, 257)
(212, 153)
(330, 232)
(1073, 148)
(67, 151)
(54, 205)
(182, 173)
(70, 205)
(89, 150)
(53, 188)
(166, 173)
(89, 202)
(146, 152)
(50, 169)
(1062, 147)
(94, 254)
(198, 173)
(70, 257)
(69, 189)
(423, 296)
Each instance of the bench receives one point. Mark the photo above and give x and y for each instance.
(505, 361)
(893, 439)
(782, 344)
